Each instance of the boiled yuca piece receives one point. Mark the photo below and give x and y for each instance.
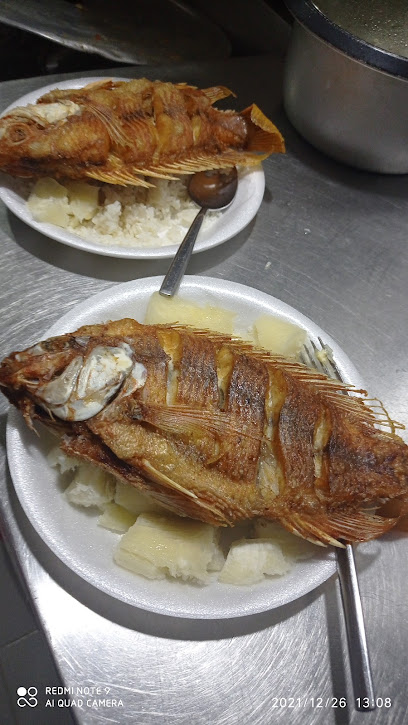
(166, 310)
(279, 336)
(159, 545)
(249, 560)
(56, 458)
(293, 547)
(91, 486)
(128, 497)
(116, 518)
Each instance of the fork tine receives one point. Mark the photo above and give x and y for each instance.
(316, 361)
(350, 593)
(321, 360)
(310, 357)
(332, 368)
(305, 357)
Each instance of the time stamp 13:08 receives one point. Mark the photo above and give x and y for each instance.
(362, 703)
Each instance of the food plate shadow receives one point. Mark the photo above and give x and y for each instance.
(116, 269)
(146, 622)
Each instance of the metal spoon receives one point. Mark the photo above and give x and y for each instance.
(210, 190)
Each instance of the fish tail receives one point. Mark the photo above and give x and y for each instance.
(338, 527)
(263, 136)
(397, 508)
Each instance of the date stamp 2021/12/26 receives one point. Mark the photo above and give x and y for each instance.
(364, 703)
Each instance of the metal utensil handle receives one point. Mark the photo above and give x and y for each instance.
(364, 699)
(353, 612)
(178, 266)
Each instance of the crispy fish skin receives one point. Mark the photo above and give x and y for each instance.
(121, 132)
(219, 431)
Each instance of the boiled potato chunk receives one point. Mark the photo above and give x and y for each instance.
(90, 486)
(160, 545)
(133, 500)
(167, 310)
(116, 518)
(54, 203)
(48, 202)
(83, 199)
(279, 336)
(249, 560)
(47, 187)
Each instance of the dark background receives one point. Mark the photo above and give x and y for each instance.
(248, 24)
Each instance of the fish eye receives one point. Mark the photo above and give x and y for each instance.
(17, 134)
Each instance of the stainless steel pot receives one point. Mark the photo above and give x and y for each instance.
(346, 96)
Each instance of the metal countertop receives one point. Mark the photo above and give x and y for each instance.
(332, 242)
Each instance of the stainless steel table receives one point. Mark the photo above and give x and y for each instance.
(332, 242)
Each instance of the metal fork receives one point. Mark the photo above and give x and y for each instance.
(322, 360)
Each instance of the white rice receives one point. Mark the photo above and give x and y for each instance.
(121, 216)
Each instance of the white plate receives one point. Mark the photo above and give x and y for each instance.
(251, 186)
(74, 536)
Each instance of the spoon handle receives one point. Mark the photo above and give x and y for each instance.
(178, 266)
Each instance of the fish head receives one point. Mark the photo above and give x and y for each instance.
(17, 133)
(71, 378)
(34, 137)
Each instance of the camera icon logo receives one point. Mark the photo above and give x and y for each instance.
(27, 696)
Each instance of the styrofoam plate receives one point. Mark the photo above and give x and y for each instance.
(73, 535)
(250, 191)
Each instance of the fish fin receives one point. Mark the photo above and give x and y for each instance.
(207, 162)
(263, 134)
(395, 507)
(103, 83)
(192, 165)
(162, 480)
(328, 386)
(87, 446)
(337, 528)
(216, 93)
(116, 134)
(183, 419)
(155, 174)
(58, 94)
(331, 388)
(213, 94)
(117, 174)
(383, 419)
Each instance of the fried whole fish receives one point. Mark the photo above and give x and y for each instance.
(121, 132)
(214, 429)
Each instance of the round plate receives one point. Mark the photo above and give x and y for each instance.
(73, 534)
(250, 191)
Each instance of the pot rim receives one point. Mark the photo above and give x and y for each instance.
(314, 20)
